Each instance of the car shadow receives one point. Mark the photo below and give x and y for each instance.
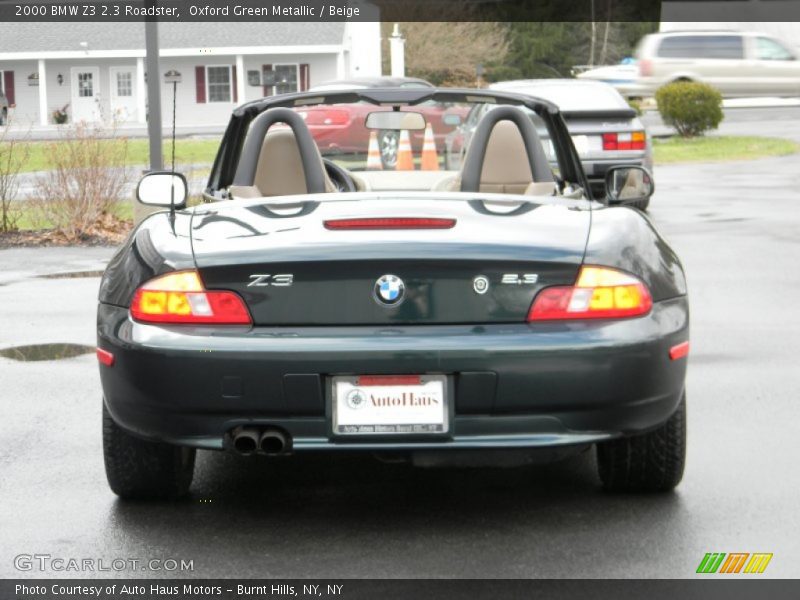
(357, 487)
(311, 509)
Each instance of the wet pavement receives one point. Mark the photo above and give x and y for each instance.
(736, 229)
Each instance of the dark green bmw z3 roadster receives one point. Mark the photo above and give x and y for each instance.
(320, 302)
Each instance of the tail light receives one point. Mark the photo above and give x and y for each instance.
(599, 293)
(645, 68)
(624, 141)
(105, 357)
(181, 298)
(390, 223)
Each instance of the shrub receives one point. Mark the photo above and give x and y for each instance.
(691, 108)
(88, 175)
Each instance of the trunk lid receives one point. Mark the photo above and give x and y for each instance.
(292, 270)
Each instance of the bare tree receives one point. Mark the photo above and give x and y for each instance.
(451, 52)
(13, 155)
(87, 176)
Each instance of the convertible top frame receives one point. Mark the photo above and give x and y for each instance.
(224, 168)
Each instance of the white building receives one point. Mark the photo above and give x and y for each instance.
(97, 70)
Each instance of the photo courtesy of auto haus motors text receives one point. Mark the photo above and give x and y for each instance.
(402, 299)
(154, 590)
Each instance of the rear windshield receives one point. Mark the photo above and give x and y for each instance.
(702, 46)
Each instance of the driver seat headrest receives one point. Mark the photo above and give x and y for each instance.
(505, 156)
(272, 159)
(279, 171)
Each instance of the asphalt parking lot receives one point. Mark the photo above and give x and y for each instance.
(736, 228)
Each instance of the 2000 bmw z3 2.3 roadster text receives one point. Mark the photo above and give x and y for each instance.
(324, 303)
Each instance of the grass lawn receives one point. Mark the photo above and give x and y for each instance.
(28, 218)
(187, 151)
(718, 149)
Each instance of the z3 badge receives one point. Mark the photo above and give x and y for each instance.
(520, 279)
(263, 280)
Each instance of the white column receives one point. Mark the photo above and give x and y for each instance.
(141, 92)
(240, 78)
(397, 50)
(340, 74)
(44, 113)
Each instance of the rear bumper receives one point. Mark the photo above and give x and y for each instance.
(514, 385)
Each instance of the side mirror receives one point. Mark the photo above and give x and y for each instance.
(159, 188)
(628, 184)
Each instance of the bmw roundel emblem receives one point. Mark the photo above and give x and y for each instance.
(356, 399)
(389, 290)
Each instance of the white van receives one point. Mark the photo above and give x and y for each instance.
(736, 63)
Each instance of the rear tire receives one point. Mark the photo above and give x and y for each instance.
(139, 469)
(650, 462)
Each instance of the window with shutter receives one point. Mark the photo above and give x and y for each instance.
(286, 79)
(218, 83)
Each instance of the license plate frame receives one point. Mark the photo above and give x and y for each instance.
(345, 428)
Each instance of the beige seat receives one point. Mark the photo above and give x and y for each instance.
(506, 166)
(279, 171)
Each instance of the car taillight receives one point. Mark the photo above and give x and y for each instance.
(645, 68)
(325, 116)
(181, 298)
(599, 293)
(390, 223)
(634, 140)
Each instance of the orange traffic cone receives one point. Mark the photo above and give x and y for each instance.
(374, 162)
(430, 160)
(405, 159)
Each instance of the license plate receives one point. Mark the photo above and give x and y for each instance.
(389, 405)
(581, 143)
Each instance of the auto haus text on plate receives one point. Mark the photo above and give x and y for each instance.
(274, 10)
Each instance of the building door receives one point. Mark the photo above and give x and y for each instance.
(85, 103)
(122, 83)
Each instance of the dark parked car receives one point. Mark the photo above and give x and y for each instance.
(313, 306)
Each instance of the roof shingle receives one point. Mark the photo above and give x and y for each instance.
(54, 37)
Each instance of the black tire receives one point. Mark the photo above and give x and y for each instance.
(138, 469)
(650, 462)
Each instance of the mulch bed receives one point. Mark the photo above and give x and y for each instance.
(108, 231)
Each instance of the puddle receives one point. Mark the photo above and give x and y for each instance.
(36, 352)
(72, 275)
(731, 220)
